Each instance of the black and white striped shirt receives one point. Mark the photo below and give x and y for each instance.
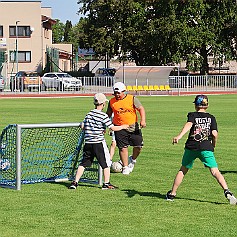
(95, 124)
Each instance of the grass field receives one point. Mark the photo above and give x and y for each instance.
(138, 208)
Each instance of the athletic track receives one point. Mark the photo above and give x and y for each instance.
(62, 95)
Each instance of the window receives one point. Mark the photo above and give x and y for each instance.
(1, 31)
(22, 31)
(23, 56)
(46, 33)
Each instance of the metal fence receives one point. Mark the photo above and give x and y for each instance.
(203, 83)
(188, 83)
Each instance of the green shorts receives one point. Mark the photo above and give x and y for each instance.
(206, 157)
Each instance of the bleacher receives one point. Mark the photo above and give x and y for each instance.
(148, 89)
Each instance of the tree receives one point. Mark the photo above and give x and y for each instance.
(67, 30)
(207, 30)
(58, 32)
(164, 31)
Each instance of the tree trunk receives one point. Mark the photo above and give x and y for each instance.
(204, 67)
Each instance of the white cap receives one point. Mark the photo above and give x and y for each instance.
(99, 98)
(119, 87)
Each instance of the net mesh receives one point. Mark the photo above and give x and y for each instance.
(47, 154)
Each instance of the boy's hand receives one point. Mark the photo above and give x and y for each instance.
(125, 126)
(142, 124)
(175, 140)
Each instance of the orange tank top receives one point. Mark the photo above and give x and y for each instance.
(124, 110)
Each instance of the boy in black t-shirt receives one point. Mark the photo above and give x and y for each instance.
(200, 144)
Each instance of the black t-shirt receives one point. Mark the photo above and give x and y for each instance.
(200, 135)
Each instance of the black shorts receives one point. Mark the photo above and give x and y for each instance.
(124, 138)
(98, 150)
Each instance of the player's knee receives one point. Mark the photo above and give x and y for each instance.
(215, 172)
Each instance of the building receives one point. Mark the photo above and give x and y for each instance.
(26, 39)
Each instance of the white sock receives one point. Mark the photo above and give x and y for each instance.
(133, 161)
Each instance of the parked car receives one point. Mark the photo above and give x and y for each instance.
(105, 72)
(2, 83)
(60, 81)
(26, 80)
(180, 79)
(104, 76)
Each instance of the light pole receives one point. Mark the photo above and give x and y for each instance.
(16, 55)
(42, 42)
(17, 45)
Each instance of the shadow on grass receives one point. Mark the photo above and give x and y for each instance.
(228, 171)
(67, 185)
(132, 193)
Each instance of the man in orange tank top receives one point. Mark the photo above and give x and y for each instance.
(125, 107)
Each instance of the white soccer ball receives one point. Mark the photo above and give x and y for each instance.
(5, 164)
(117, 167)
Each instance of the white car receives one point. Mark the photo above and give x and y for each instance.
(60, 81)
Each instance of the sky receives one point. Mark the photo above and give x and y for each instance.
(62, 9)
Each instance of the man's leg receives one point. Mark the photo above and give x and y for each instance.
(123, 152)
(136, 152)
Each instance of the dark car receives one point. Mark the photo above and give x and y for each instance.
(105, 72)
(104, 77)
(180, 79)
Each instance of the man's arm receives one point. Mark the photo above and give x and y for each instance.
(185, 129)
(142, 113)
(109, 111)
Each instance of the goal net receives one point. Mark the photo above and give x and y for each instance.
(33, 153)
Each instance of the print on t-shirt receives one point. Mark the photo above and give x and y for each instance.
(202, 129)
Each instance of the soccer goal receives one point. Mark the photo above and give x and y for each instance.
(33, 153)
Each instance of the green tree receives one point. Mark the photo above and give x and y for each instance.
(206, 28)
(78, 35)
(58, 32)
(67, 30)
(164, 31)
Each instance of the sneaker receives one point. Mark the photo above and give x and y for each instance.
(73, 185)
(169, 196)
(126, 170)
(131, 163)
(109, 186)
(229, 195)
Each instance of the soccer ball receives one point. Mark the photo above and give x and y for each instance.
(117, 167)
(5, 164)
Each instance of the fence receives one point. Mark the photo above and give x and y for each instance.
(91, 85)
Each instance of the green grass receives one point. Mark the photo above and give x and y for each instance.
(138, 208)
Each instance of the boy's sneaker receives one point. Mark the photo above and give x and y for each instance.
(229, 195)
(126, 170)
(73, 185)
(131, 163)
(110, 186)
(169, 196)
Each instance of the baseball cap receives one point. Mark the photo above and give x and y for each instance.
(201, 100)
(119, 87)
(99, 98)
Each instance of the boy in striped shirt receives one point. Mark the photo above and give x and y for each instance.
(94, 126)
